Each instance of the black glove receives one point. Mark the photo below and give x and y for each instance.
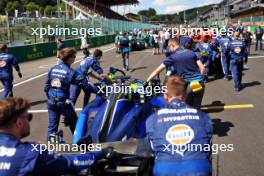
(20, 75)
(109, 152)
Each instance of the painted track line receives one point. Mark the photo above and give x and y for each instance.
(252, 57)
(45, 111)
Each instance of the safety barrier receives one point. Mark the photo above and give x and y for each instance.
(42, 50)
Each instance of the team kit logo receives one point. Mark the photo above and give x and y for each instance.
(56, 83)
(237, 50)
(2, 63)
(179, 136)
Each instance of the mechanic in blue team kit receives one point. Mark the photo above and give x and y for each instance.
(185, 39)
(259, 34)
(204, 52)
(222, 42)
(88, 66)
(23, 158)
(173, 129)
(7, 61)
(237, 51)
(57, 88)
(185, 64)
(124, 48)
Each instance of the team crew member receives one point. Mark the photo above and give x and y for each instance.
(7, 61)
(178, 126)
(247, 36)
(85, 46)
(89, 66)
(185, 39)
(57, 88)
(237, 51)
(20, 158)
(155, 43)
(150, 39)
(117, 44)
(259, 34)
(165, 39)
(185, 64)
(60, 46)
(124, 47)
(222, 42)
(205, 53)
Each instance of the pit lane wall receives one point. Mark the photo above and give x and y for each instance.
(42, 50)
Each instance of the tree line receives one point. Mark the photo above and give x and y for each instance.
(177, 18)
(43, 6)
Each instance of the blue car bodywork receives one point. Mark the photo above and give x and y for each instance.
(117, 118)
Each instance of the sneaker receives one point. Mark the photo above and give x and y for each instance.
(227, 78)
(245, 66)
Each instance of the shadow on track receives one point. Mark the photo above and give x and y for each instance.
(221, 128)
(35, 103)
(138, 68)
(251, 84)
(215, 106)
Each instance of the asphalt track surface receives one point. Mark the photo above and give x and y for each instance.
(242, 127)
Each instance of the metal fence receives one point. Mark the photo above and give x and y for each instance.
(18, 31)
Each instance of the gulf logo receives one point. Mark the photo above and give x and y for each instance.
(180, 134)
(56, 83)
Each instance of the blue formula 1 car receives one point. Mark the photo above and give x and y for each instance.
(122, 115)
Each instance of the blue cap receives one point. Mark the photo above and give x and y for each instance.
(185, 39)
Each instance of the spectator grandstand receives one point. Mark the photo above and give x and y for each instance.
(102, 7)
